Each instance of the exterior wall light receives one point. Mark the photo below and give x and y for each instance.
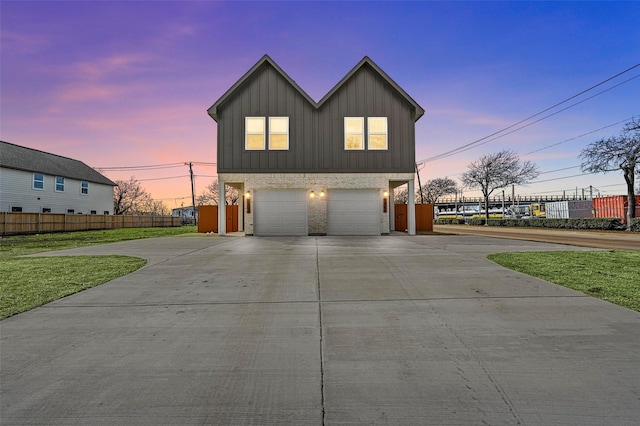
(385, 201)
(312, 194)
(385, 194)
(322, 194)
(247, 197)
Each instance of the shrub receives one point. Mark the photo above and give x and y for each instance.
(574, 223)
(635, 224)
(449, 222)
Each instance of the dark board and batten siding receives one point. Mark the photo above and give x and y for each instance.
(266, 94)
(366, 94)
(316, 135)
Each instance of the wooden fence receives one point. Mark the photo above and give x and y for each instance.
(31, 223)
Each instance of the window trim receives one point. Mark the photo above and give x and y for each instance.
(271, 132)
(385, 133)
(362, 133)
(33, 183)
(58, 183)
(247, 133)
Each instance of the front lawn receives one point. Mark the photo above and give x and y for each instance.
(612, 275)
(28, 282)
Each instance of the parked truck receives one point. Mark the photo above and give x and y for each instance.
(538, 210)
(569, 209)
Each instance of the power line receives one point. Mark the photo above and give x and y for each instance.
(152, 166)
(560, 178)
(480, 141)
(580, 136)
(559, 170)
(163, 178)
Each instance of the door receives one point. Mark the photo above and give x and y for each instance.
(354, 212)
(232, 218)
(401, 217)
(280, 212)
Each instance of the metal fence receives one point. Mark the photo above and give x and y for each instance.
(13, 223)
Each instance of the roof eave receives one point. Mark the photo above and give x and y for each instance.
(213, 110)
(419, 111)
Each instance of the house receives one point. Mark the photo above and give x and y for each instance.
(186, 214)
(34, 181)
(316, 168)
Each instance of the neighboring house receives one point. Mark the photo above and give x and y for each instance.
(33, 181)
(185, 214)
(316, 168)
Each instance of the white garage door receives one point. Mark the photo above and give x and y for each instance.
(353, 212)
(280, 212)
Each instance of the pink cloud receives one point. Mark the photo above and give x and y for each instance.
(24, 43)
(110, 66)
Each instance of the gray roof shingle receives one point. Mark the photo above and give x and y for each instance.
(32, 160)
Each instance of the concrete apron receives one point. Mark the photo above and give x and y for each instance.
(322, 330)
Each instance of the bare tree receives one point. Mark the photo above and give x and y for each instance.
(400, 195)
(128, 196)
(153, 207)
(436, 188)
(617, 153)
(499, 170)
(210, 195)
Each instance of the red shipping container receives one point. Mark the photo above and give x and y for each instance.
(614, 206)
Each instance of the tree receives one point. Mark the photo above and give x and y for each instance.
(436, 188)
(130, 198)
(400, 195)
(128, 195)
(495, 171)
(617, 153)
(210, 195)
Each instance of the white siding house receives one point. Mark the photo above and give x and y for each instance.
(34, 181)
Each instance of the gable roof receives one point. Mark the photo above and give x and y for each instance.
(32, 160)
(366, 61)
(213, 110)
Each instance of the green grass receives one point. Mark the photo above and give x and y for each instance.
(26, 283)
(613, 275)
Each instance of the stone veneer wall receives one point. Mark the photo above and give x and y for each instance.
(316, 207)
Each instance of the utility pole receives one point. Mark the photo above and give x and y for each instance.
(193, 193)
(419, 184)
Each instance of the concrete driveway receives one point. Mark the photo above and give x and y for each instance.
(322, 330)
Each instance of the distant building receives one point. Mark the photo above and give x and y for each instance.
(33, 181)
(185, 214)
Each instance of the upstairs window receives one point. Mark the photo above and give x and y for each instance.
(59, 184)
(377, 132)
(279, 133)
(353, 133)
(254, 133)
(84, 187)
(38, 181)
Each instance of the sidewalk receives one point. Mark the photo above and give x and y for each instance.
(621, 240)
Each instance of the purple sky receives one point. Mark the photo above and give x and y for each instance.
(125, 84)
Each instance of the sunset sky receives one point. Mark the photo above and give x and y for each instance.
(123, 86)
